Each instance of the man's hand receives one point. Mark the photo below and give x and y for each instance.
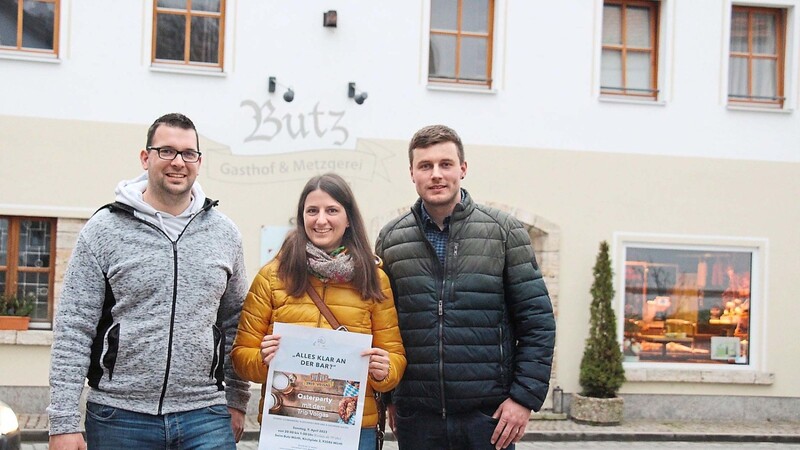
(512, 421)
(237, 423)
(391, 414)
(71, 441)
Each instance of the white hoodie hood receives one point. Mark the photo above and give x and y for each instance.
(130, 192)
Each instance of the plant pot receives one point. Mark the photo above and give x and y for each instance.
(596, 411)
(19, 323)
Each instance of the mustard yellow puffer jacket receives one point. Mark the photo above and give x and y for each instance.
(268, 302)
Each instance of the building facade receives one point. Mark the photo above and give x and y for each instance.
(667, 128)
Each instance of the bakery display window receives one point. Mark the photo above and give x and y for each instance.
(687, 304)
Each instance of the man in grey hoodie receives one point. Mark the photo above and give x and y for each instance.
(149, 311)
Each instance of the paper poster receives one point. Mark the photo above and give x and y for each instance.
(315, 398)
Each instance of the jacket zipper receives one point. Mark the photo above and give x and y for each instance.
(440, 309)
(171, 323)
(174, 303)
(441, 328)
(441, 348)
(174, 298)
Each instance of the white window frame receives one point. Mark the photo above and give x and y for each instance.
(751, 373)
(52, 268)
(62, 31)
(790, 66)
(498, 52)
(190, 69)
(666, 14)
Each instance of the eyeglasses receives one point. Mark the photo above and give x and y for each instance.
(169, 153)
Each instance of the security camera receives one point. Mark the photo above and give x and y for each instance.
(359, 99)
(289, 95)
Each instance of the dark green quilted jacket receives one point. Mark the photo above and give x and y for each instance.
(481, 328)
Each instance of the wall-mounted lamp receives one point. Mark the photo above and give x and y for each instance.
(288, 95)
(329, 19)
(351, 93)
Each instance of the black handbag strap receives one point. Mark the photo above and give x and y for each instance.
(323, 308)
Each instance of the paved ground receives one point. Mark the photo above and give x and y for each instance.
(578, 445)
(600, 445)
(566, 434)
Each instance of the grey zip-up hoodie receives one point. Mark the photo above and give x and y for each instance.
(148, 319)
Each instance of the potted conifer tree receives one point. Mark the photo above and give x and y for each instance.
(601, 371)
(15, 312)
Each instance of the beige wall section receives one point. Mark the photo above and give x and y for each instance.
(64, 168)
(593, 195)
(26, 358)
(74, 166)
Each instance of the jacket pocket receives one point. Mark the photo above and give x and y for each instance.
(506, 353)
(217, 371)
(112, 349)
(502, 356)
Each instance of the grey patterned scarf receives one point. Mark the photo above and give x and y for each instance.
(336, 267)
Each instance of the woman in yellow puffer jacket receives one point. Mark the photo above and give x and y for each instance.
(328, 251)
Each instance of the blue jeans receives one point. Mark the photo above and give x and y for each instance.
(368, 439)
(473, 430)
(109, 428)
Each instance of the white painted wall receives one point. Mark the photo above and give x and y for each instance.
(546, 91)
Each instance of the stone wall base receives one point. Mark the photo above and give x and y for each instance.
(706, 407)
(34, 400)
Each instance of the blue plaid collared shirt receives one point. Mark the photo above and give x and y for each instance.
(438, 238)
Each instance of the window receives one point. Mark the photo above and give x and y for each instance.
(189, 32)
(755, 72)
(629, 63)
(461, 41)
(688, 304)
(29, 25)
(27, 265)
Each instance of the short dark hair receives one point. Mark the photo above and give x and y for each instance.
(432, 135)
(177, 120)
(293, 266)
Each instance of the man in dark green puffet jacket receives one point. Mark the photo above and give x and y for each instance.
(475, 315)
